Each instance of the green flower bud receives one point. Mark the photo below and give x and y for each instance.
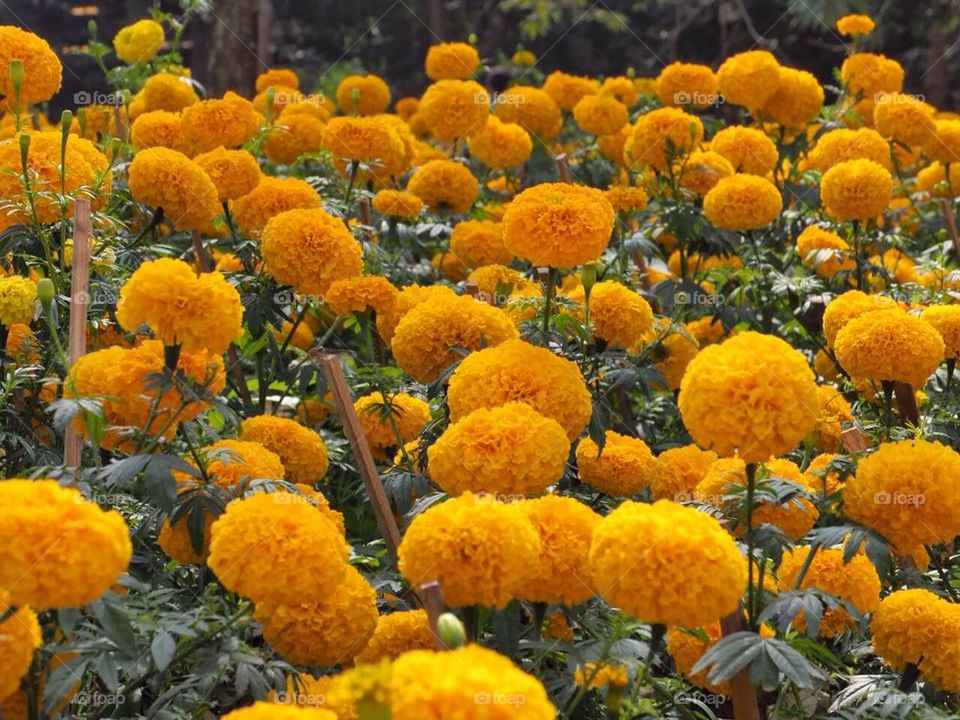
(45, 291)
(451, 631)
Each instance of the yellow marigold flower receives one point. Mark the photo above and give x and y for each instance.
(300, 449)
(293, 135)
(478, 243)
(20, 636)
(705, 330)
(742, 202)
(915, 626)
(946, 321)
(686, 649)
(363, 95)
(330, 630)
(451, 61)
(558, 224)
(933, 179)
(56, 549)
(562, 574)
(118, 376)
(904, 118)
(681, 468)
(623, 467)
(868, 74)
(408, 298)
(612, 146)
(531, 108)
(500, 144)
(309, 250)
(283, 97)
(22, 346)
(397, 633)
(834, 413)
(708, 573)
(626, 198)
(166, 91)
(889, 345)
(798, 98)
(749, 78)
(444, 185)
(516, 370)
(18, 300)
(504, 547)
(174, 539)
(228, 462)
(228, 122)
(622, 88)
(507, 450)
(557, 627)
(139, 41)
(434, 333)
(600, 114)
(824, 250)
(233, 172)
(405, 107)
(856, 190)
(157, 128)
(277, 77)
(165, 178)
(567, 90)
(524, 58)
(469, 682)
(489, 277)
(177, 304)
(660, 131)
(749, 150)
(261, 710)
(854, 25)
(604, 675)
(843, 144)
(357, 294)
(752, 394)
(673, 353)
(269, 198)
(378, 416)
(853, 303)
(454, 109)
(41, 67)
(908, 492)
(306, 691)
(827, 482)
(313, 106)
(618, 314)
(681, 84)
(254, 540)
(702, 170)
(397, 203)
(368, 141)
(944, 145)
(855, 581)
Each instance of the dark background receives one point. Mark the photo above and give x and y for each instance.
(323, 39)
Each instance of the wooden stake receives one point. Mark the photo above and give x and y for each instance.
(79, 285)
(906, 402)
(951, 218)
(121, 125)
(204, 261)
(473, 290)
(363, 210)
(744, 693)
(853, 440)
(333, 371)
(432, 599)
(563, 167)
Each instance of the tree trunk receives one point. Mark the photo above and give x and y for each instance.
(235, 58)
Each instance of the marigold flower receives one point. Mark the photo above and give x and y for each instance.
(368, 141)
(824, 250)
(500, 144)
(752, 394)
(946, 321)
(397, 203)
(618, 314)
(686, 649)
(626, 198)
(798, 98)
(254, 540)
(507, 450)
(904, 118)
(444, 185)
(300, 449)
(843, 144)
(161, 177)
(233, 172)
(451, 61)
(363, 95)
(18, 300)
(293, 135)
(681, 84)
(490, 277)
(41, 67)
(567, 90)
(849, 305)
(558, 224)
(157, 128)
(600, 114)
(944, 145)
(749, 78)
(612, 146)
(742, 202)
(277, 77)
(681, 468)
(397, 633)
(139, 41)
(357, 294)
(166, 91)
(229, 462)
(516, 370)
(479, 242)
(383, 420)
(662, 135)
(604, 675)
(623, 467)
(269, 198)
(705, 586)
(20, 636)
(531, 108)
(834, 413)
(622, 88)
(454, 109)
(57, 549)
(702, 170)
(749, 150)
(408, 298)
(868, 74)
(855, 25)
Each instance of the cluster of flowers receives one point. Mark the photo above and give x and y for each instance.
(491, 321)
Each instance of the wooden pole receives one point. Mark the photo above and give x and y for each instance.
(79, 285)
(563, 168)
(906, 402)
(204, 261)
(853, 440)
(744, 693)
(432, 599)
(333, 371)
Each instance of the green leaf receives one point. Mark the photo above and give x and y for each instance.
(162, 649)
(116, 625)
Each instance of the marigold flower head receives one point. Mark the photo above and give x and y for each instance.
(20, 636)
(749, 78)
(161, 177)
(868, 74)
(612, 146)
(854, 25)
(254, 540)
(889, 345)
(357, 294)
(944, 145)
(681, 84)
(622, 88)
(139, 41)
(434, 333)
(233, 172)
(58, 550)
(378, 416)
(742, 202)
(175, 540)
(824, 250)
(626, 198)
(277, 77)
(300, 449)
(451, 61)
(856, 190)
(489, 277)
(702, 170)
(397, 203)
(500, 144)
(479, 242)
(600, 114)
(444, 185)
(752, 394)
(363, 95)
(408, 298)
(623, 467)
(603, 675)
(177, 305)
(41, 67)
(454, 109)
(834, 414)
(618, 314)
(480, 550)
(18, 300)
(531, 108)
(397, 633)
(568, 90)
(366, 140)
(293, 135)
(686, 649)
(849, 305)
(309, 249)
(229, 122)
(516, 370)
(946, 321)
(166, 91)
(425, 683)
(558, 224)
(798, 98)
(749, 150)
(681, 468)
(904, 118)
(157, 128)
(843, 144)
(660, 136)
(705, 586)
(269, 198)
(507, 450)
(229, 462)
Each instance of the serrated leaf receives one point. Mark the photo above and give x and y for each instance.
(116, 626)
(162, 649)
